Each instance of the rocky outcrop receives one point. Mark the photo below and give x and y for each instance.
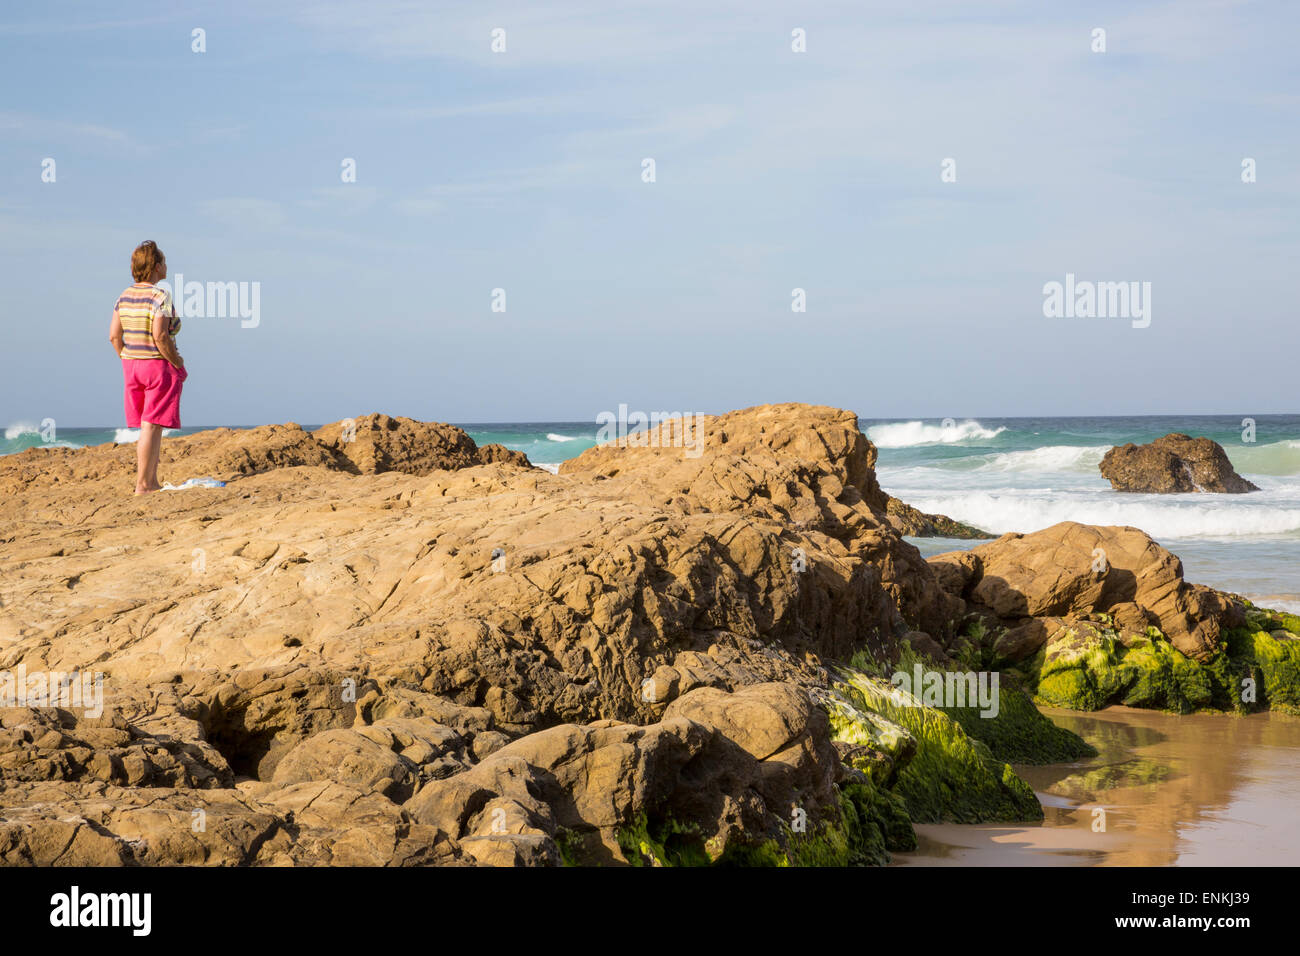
(1173, 464)
(798, 482)
(377, 443)
(377, 636)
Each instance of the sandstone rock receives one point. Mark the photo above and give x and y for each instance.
(338, 825)
(734, 764)
(1172, 464)
(1071, 570)
(76, 825)
(265, 712)
(957, 571)
(379, 443)
(488, 454)
(926, 646)
(48, 743)
(349, 758)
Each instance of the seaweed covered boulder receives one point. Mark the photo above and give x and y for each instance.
(1089, 664)
(1174, 464)
(1268, 648)
(948, 775)
(1022, 588)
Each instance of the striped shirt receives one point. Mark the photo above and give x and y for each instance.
(137, 308)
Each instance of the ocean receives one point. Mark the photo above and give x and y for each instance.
(1019, 474)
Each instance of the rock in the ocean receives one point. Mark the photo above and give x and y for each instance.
(1173, 464)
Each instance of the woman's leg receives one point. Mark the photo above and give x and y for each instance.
(154, 484)
(146, 458)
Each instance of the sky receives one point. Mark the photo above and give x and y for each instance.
(774, 169)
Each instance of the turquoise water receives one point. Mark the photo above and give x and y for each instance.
(545, 443)
(1020, 474)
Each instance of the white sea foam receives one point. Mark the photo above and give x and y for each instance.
(19, 429)
(127, 436)
(553, 469)
(1276, 602)
(1014, 510)
(1083, 458)
(551, 436)
(910, 434)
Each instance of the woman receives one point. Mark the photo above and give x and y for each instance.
(142, 332)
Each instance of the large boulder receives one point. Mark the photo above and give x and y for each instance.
(806, 473)
(1031, 583)
(1173, 464)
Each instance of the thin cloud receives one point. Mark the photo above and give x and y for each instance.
(66, 132)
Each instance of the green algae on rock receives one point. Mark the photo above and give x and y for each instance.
(1017, 733)
(1089, 666)
(877, 747)
(870, 823)
(1268, 647)
(952, 777)
(666, 842)
(873, 822)
(1020, 733)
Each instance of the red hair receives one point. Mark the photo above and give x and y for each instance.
(145, 260)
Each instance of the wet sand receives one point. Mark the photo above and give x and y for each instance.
(1206, 790)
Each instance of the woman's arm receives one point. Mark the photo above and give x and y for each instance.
(115, 333)
(162, 338)
(164, 318)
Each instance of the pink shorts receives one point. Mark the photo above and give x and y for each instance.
(152, 392)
